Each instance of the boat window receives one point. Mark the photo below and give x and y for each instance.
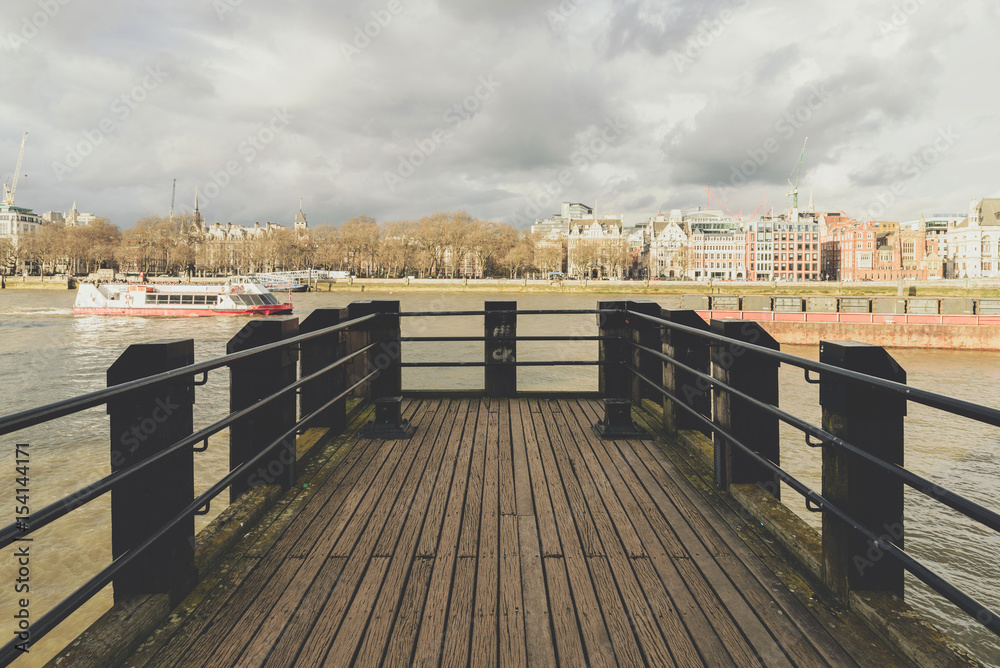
(199, 299)
(239, 299)
(269, 299)
(256, 299)
(175, 299)
(187, 299)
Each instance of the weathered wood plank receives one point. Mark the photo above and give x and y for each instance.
(538, 638)
(519, 455)
(484, 629)
(345, 643)
(547, 529)
(508, 501)
(399, 651)
(569, 645)
(625, 647)
(468, 544)
(455, 652)
(510, 616)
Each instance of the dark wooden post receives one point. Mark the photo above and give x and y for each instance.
(500, 349)
(755, 375)
(318, 353)
(870, 419)
(386, 389)
(250, 380)
(693, 351)
(144, 423)
(615, 378)
(646, 333)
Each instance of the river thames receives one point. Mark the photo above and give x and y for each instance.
(47, 354)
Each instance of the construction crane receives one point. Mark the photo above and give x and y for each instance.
(173, 196)
(8, 190)
(797, 171)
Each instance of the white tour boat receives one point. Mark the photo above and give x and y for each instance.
(238, 296)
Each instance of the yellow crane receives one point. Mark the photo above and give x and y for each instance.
(8, 190)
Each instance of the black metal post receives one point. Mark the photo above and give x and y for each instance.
(250, 380)
(501, 349)
(615, 378)
(386, 389)
(144, 423)
(871, 419)
(756, 375)
(318, 353)
(693, 351)
(647, 334)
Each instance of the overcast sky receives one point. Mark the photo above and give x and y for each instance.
(403, 108)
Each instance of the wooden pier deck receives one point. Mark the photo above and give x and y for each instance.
(505, 533)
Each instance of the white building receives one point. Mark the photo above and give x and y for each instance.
(974, 244)
(668, 247)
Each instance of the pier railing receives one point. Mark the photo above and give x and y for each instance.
(720, 378)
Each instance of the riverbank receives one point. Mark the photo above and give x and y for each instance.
(868, 289)
(37, 283)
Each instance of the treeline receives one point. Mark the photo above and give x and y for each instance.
(442, 245)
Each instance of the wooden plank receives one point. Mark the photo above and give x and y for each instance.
(613, 525)
(399, 651)
(588, 610)
(445, 486)
(625, 647)
(569, 645)
(484, 629)
(345, 643)
(511, 608)
(432, 628)
(547, 529)
(237, 621)
(414, 501)
(458, 627)
(519, 455)
(468, 543)
(330, 617)
(538, 638)
(667, 618)
(508, 503)
(555, 460)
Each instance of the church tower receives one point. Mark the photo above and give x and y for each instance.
(300, 220)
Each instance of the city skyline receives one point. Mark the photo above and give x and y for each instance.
(400, 110)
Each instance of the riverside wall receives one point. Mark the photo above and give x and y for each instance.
(955, 337)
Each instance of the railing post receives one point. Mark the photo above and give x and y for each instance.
(250, 380)
(615, 378)
(693, 351)
(755, 375)
(144, 423)
(318, 353)
(872, 420)
(501, 349)
(386, 389)
(645, 333)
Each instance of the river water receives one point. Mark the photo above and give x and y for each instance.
(47, 354)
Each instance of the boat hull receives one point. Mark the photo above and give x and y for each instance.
(279, 309)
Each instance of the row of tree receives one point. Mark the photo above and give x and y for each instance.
(441, 245)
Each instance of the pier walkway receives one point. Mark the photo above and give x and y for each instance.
(505, 533)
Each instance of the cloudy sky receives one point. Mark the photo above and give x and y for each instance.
(402, 108)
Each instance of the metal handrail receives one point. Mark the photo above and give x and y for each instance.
(974, 608)
(65, 505)
(943, 402)
(70, 604)
(957, 502)
(579, 311)
(29, 418)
